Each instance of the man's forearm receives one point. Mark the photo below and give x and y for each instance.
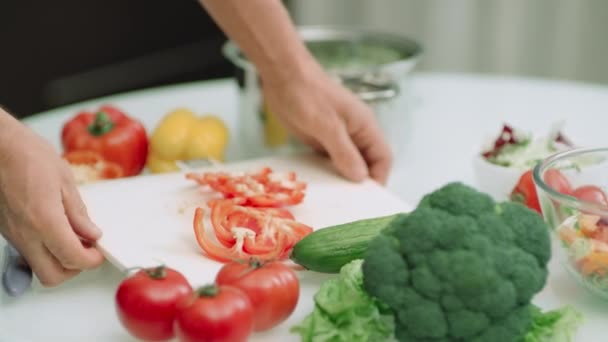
(7, 123)
(7, 128)
(265, 33)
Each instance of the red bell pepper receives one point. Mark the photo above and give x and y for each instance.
(118, 138)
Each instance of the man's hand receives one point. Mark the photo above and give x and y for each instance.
(41, 212)
(325, 115)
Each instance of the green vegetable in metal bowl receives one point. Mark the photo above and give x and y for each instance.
(344, 55)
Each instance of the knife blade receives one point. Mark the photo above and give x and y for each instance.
(16, 273)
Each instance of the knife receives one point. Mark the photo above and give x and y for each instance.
(16, 273)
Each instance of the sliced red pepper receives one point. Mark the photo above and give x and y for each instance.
(260, 189)
(104, 169)
(252, 231)
(236, 252)
(268, 224)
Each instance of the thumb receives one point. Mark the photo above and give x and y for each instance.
(343, 152)
(76, 212)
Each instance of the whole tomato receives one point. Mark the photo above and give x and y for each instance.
(146, 302)
(525, 192)
(273, 289)
(111, 133)
(214, 313)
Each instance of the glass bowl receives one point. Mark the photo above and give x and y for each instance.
(571, 189)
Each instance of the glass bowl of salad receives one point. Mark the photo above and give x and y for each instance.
(571, 190)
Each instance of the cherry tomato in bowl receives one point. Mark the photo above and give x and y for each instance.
(557, 181)
(272, 287)
(146, 302)
(591, 193)
(214, 313)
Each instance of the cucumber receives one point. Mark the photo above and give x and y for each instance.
(328, 249)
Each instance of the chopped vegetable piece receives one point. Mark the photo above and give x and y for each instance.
(89, 166)
(266, 225)
(260, 189)
(237, 250)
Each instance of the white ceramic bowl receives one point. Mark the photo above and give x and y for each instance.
(498, 181)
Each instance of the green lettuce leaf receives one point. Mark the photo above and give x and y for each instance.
(557, 325)
(345, 312)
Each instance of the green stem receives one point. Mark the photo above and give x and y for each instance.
(255, 263)
(157, 272)
(101, 125)
(207, 291)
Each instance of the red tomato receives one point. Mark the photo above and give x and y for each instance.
(273, 289)
(557, 181)
(525, 192)
(214, 313)
(261, 189)
(111, 133)
(146, 302)
(591, 193)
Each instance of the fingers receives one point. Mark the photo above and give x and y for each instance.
(47, 268)
(342, 151)
(76, 212)
(376, 152)
(66, 246)
(369, 139)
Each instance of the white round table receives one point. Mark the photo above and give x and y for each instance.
(441, 122)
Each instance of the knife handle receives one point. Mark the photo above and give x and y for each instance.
(16, 273)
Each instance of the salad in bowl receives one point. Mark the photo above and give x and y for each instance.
(574, 201)
(503, 167)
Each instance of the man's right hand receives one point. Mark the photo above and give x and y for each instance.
(41, 212)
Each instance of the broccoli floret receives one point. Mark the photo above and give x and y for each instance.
(458, 199)
(460, 267)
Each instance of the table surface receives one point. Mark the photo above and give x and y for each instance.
(437, 128)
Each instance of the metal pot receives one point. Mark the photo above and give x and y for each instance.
(372, 65)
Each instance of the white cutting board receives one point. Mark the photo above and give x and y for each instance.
(147, 220)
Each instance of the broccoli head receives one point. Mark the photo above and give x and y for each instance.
(460, 267)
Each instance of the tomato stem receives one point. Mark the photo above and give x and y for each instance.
(207, 291)
(101, 125)
(255, 263)
(157, 272)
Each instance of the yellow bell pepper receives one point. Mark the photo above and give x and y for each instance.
(182, 135)
(275, 134)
